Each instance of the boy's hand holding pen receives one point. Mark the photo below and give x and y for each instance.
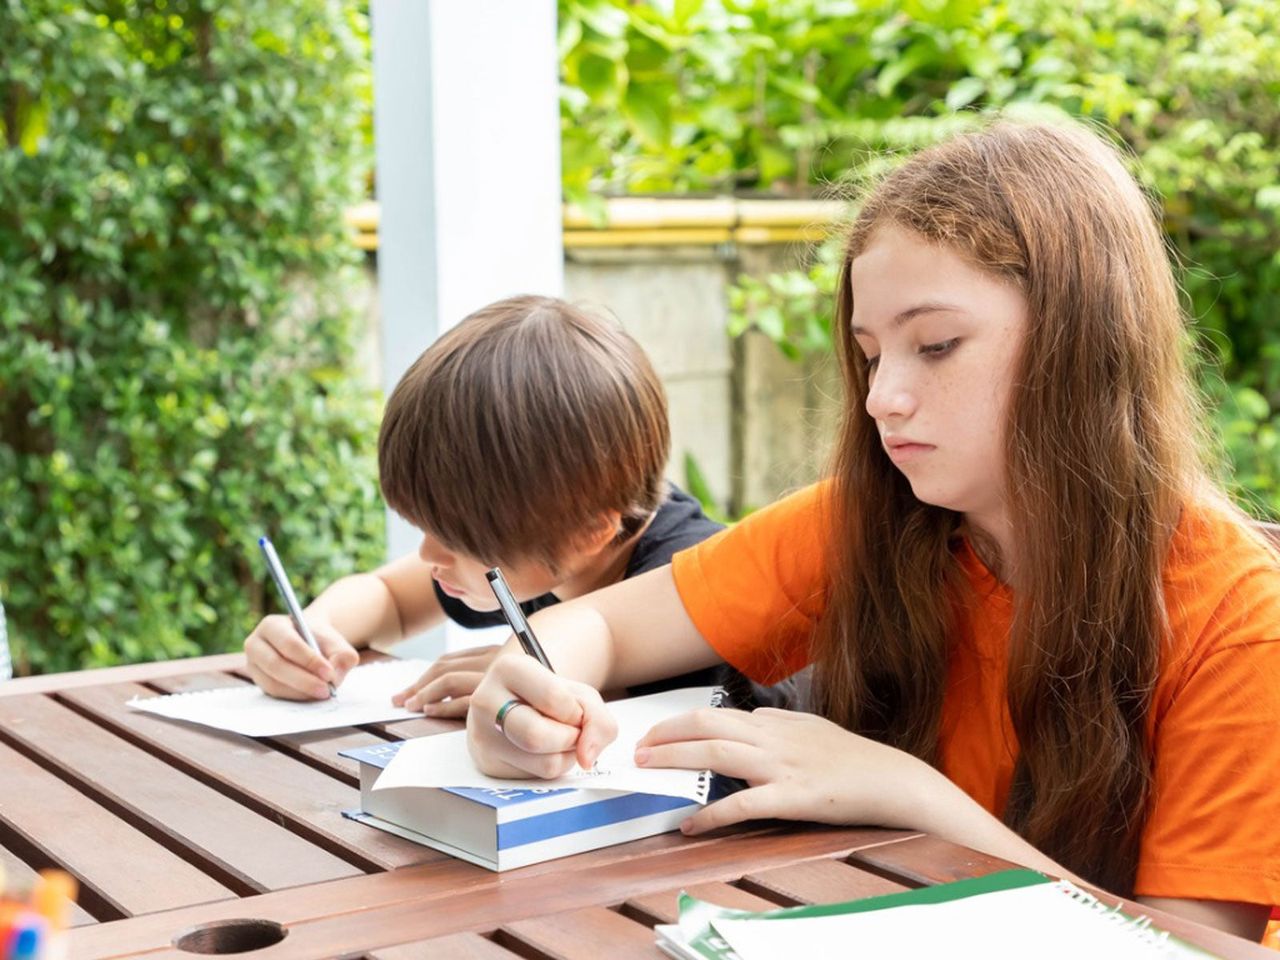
(525, 721)
(296, 657)
(282, 665)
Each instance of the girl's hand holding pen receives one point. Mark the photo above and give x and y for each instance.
(554, 723)
(283, 665)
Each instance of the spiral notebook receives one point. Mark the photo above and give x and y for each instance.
(1010, 914)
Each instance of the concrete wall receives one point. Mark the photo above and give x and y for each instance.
(757, 423)
(671, 299)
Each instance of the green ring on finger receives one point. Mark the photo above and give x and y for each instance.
(500, 718)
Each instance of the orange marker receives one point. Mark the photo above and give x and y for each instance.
(52, 896)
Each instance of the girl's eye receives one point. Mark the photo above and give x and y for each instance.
(940, 349)
(871, 363)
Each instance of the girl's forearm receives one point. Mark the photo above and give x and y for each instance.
(631, 632)
(937, 806)
(577, 641)
(944, 810)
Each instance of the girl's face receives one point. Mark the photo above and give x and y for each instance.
(940, 338)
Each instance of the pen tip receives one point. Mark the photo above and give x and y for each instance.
(263, 541)
(491, 575)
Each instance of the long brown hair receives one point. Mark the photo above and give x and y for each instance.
(519, 427)
(1101, 451)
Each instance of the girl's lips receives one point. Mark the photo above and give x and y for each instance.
(904, 452)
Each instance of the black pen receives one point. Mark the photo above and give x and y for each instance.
(515, 617)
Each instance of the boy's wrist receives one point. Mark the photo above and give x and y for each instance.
(319, 621)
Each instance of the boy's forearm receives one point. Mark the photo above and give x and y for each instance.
(361, 608)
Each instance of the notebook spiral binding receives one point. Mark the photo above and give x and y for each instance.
(1141, 927)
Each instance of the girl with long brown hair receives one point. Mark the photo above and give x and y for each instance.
(1037, 627)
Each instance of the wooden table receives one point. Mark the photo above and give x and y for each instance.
(176, 830)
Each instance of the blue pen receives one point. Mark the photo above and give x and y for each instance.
(290, 600)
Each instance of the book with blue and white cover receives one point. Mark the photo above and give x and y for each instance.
(505, 824)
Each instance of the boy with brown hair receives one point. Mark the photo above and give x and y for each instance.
(531, 436)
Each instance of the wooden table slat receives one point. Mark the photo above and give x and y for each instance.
(19, 876)
(664, 906)
(316, 748)
(434, 900)
(322, 750)
(102, 820)
(419, 727)
(459, 946)
(243, 850)
(818, 881)
(924, 861)
(198, 680)
(585, 934)
(131, 673)
(86, 840)
(291, 792)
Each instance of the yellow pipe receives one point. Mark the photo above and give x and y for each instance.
(661, 222)
(760, 236)
(679, 236)
(656, 212)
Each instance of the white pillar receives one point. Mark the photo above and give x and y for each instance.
(467, 133)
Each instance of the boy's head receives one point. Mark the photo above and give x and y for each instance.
(529, 429)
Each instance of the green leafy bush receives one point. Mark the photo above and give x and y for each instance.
(1248, 432)
(790, 97)
(176, 358)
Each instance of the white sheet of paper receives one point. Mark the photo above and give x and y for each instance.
(444, 761)
(364, 697)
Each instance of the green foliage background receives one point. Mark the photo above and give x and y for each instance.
(791, 97)
(175, 356)
(175, 372)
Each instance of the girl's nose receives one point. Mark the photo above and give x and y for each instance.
(890, 394)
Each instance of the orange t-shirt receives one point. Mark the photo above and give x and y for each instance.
(756, 590)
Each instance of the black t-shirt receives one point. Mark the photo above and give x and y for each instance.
(678, 523)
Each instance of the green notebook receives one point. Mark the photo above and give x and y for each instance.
(1014, 913)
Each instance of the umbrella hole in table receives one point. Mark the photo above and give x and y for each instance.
(224, 937)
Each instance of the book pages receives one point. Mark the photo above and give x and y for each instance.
(444, 760)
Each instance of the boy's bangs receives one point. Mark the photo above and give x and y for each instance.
(520, 428)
